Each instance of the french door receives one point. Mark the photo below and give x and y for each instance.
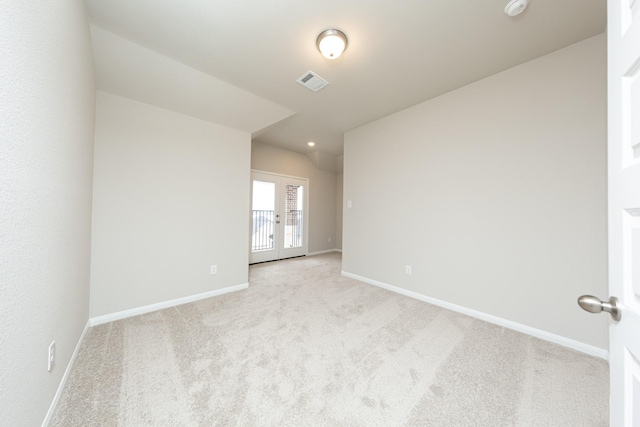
(278, 217)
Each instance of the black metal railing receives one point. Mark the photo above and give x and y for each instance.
(263, 229)
(294, 221)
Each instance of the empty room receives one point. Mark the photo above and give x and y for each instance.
(336, 213)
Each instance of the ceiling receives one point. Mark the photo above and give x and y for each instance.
(236, 62)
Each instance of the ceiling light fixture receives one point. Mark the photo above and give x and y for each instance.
(516, 7)
(311, 143)
(331, 43)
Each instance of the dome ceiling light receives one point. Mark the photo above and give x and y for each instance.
(331, 43)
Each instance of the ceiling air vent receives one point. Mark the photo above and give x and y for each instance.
(312, 81)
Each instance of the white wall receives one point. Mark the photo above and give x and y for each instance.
(322, 190)
(339, 208)
(47, 107)
(171, 198)
(495, 193)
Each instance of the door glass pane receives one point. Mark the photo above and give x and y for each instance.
(263, 206)
(293, 216)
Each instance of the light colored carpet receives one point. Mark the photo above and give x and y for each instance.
(305, 346)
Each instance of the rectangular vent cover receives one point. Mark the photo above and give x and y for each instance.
(312, 81)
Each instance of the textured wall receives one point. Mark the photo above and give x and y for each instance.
(47, 108)
(495, 193)
(171, 198)
(322, 190)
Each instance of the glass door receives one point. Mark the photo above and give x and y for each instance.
(278, 217)
(263, 215)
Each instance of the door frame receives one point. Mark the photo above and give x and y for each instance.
(305, 216)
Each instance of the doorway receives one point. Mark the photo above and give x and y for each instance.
(279, 226)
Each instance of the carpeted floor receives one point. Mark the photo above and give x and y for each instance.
(304, 346)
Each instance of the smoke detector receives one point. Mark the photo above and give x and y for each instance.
(516, 7)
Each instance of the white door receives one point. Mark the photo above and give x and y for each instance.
(278, 217)
(623, 33)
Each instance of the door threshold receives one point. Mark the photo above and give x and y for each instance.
(274, 260)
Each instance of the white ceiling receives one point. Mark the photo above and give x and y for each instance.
(400, 53)
(128, 69)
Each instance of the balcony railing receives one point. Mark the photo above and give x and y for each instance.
(293, 233)
(263, 229)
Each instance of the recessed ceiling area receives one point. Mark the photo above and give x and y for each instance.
(399, 54)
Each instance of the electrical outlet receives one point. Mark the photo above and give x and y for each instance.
(214, 269)
(407, 269)
(51, 356)
(349, 204)
(329, 239)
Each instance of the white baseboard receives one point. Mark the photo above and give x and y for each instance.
(537, 333)
(99, 320)
(63, 381)
(323, 252)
